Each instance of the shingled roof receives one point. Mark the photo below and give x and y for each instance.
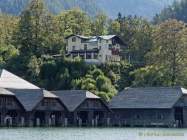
(9, 80)
(73, 98)
(48, 94)
(30, 98)
(6, 92)
(147, 98)
(96, 38)
(26, 93)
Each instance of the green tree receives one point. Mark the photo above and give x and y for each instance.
(176, 11)
(169, 51)
(8, 51)
(33, 30)
(150, 76)
(74, 21)
(96, 82)
(114, 27)
(136, 32)
(99, 25)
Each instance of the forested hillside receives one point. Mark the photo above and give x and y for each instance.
(157, 54)
(145, 8)
(178, 10)
(15, 7)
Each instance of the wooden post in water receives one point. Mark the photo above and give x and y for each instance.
(108, 122)
(65, 122)
(93, 122)
(38, 122)
(80, 122)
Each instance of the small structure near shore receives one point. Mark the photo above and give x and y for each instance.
(151, 106)
(85, 108)
(24, 104)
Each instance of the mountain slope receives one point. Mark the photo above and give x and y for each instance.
(145, 8)
(177, 11)
(55, 6)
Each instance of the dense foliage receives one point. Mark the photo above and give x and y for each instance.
(155, 54)
(177, 11)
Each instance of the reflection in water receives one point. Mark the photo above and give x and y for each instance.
(92, 134)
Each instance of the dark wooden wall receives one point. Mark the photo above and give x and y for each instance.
(143, 117)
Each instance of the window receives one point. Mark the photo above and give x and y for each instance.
(99, 40)
(95, 55)
(75, 55)
(81, 56)
(110, 46)
(106, 41)
(99, 47)
(85, 47)
(88, 56)
(45, 102)
(114, 42)
(73, 48)
(74, 39)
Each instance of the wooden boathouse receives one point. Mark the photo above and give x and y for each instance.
(24, 104)
(85, 108)
(151, 106)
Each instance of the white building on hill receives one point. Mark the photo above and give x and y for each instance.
(95, 49)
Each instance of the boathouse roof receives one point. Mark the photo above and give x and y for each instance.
(29, 98)
(9, 80)
(27, 94)
(6, 92)
(73, 98)
(147, 98)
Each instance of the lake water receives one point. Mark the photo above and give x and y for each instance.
(92, 134)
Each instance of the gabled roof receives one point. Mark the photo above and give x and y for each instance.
(79, 36)
(27, 94)
(29, 98)
(9, 80)
(91, 39)
(147, 98)
(107, 37)
(73, 98)
(48, 94)
(6, 92)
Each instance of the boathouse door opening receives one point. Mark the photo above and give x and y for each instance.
(39, 118)
(99, 117)
(179, 116)
(11, 118)
(55, 118)
(83, 115)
